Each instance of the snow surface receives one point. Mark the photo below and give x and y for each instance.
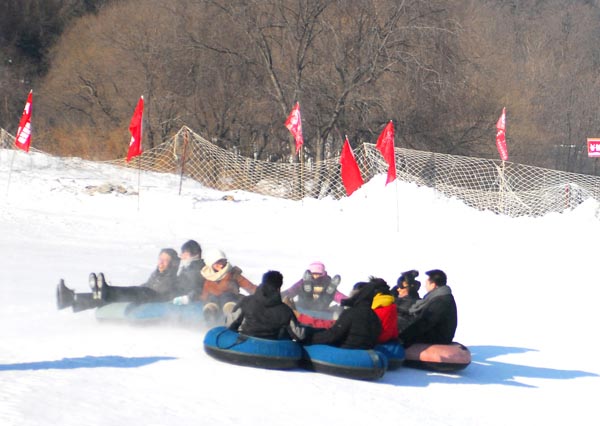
(527, 293)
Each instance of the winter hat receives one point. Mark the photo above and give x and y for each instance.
(317, 268)
(192, 247)
(273, 279)
(213, 255)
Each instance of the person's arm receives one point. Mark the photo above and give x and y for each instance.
(334, 335)
(205, 292)
(235, 317)
(428, 319)
(339, 296)
(245, 284)
(293, 290)
(294, 329)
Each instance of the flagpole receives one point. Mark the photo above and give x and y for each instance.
(300, 153)
(139, 179)
(502, 184)
(397, 207)
(10, 172)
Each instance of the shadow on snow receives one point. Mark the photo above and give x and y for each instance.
(483, 371)
(86, 362)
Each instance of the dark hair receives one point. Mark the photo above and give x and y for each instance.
(381, 286)
(437, 276)
(174, 263)
(271, 284)
(192, 247)
(273, 279)
(409, 277)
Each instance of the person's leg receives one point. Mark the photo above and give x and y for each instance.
(111, 294)
(83, 301)
(227, 302)
(135, 294)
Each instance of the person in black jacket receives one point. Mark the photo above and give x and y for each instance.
(406, 292)
(357, 327)
(434, 318)
(189, 280)
(263, 314)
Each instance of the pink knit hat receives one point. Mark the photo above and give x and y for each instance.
(317, 268)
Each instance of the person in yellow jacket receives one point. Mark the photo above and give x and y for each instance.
(384, 305)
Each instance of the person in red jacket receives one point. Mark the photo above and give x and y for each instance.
(385, 307)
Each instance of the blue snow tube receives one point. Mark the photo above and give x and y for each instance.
(363, 364)
(394, 352)
(153, 312)
(229, 346)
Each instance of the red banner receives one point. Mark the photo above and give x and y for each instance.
(294, 125)
(135, 128)
(501, 136)
(593, 145)
(23, 137)
(351, 177)
(385, 145)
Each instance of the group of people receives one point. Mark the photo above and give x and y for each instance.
(373, 312)
(190, 277)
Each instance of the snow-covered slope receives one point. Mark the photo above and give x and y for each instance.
(527, 292)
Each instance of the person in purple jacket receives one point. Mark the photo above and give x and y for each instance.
(316, 290)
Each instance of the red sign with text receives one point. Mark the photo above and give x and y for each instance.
(593, 147)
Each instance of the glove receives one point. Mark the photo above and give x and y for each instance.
(181, 300)
(307, 281)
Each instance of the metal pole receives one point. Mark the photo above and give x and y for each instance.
(183, 159)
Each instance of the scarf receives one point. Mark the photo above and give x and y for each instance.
(211, 275)
(421, 304)
(184, 263)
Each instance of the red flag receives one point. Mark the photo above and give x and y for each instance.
(350, 172)
(501, 136)
(23, 138)
(385, 145)
(135, 128)
(294, 125)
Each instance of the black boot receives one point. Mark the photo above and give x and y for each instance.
(102, 287)
(93, 282)
(307, 282)
(332, 287)
(64, 295)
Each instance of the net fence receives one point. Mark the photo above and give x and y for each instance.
(505, 188)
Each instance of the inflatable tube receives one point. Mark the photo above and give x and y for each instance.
(147, 313)
(394, 352)
(229, 346)
(362, 364)
(443, 358)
